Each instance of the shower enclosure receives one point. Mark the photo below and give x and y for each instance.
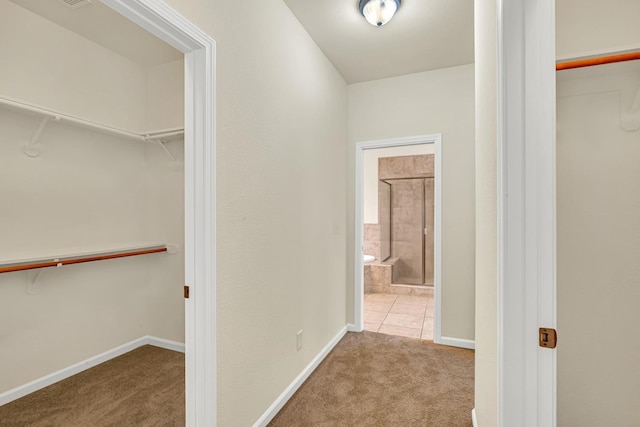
(406, 217)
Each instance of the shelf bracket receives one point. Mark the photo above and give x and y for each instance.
(174, 163)
(163, 144)
(33, 148)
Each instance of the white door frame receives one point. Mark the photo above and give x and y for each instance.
(526, 212)
(200, 250)
(435, 139)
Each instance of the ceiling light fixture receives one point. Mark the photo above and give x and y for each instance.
(378, 12)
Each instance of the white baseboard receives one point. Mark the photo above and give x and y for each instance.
(474, 420)
(456, 342)
(275, 407)
(47, 380)
(162, 343)
(353, 328)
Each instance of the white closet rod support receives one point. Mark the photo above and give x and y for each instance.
(87, 123)
(166, 150)
(32, 148)
(157, 136)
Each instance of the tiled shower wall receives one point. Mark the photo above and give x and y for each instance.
(418, 166)
(371, 243)
(407, 214)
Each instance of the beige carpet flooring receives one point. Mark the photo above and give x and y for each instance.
(144, 387)
(371, 379)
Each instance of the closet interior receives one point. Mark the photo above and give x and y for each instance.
(92, 184)
(598, 240)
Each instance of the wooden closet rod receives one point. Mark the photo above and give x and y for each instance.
(589, 62)
(49, 262)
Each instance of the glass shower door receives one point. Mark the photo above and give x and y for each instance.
(384, 219)
(407, 230)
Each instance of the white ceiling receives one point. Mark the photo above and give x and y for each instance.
(424, 35)
(107, 28)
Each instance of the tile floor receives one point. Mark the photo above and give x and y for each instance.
(402, 315)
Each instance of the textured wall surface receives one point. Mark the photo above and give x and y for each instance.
(281, 118)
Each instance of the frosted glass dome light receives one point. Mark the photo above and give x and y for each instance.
(378, 12)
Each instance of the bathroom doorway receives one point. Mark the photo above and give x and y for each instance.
(398, 257)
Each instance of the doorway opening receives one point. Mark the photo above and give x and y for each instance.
(398, 216)
(117, 124)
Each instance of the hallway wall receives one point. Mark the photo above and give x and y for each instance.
(281, 163)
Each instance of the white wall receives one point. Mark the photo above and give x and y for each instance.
(86, 190)
(68, 73)
(281, 118)
(598, 248)
(486, 357)
(370, 171)
(165, 96)
(593, 26)
(440, 101)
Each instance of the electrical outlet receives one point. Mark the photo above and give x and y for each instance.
(299, 340)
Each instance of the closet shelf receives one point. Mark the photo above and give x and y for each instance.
(7, 266)
(147, 136)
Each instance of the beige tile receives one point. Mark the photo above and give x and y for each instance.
(380, 306)
(383, 298)
(372, 247)
(371, 231)
(427, 329)
(378, 289)
(374, 316)
(401, 290)
(399, 331)
(373, 327)
(412, 300)
(405, 320)
(416, 310)
(429, 312)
